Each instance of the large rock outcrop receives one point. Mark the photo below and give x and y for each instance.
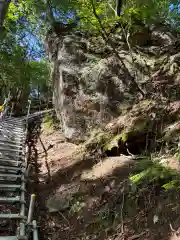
(91, 86)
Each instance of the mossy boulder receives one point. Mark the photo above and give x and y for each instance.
(97, 139)
(136, 126)
(144, 120)
(145, 126)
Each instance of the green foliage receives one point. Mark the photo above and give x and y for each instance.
(90, 12)
(172, 184)
(147, 11)
(17, 69)
(177, 154)
(48, 122)
(89, 21)
(133, 13)
(13, 68)
(149, 172)
(40, 73)
(13, 13)
(112, 142)
(77, 203)
(97, 139)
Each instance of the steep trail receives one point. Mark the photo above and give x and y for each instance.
(86, 197)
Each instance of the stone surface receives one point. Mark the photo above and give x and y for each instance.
(57, 203)
(92, 86)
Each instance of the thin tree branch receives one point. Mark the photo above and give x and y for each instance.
(105, 36)
(3, 11)
(46, 159)
(112, 8)
(117, 13)
(50, 12)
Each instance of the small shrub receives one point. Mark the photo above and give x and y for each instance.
(48, 122)
(149, 172)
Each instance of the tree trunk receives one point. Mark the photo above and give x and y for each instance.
(118, 7)
(3, 10)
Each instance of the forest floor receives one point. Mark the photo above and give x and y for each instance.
(83, 197)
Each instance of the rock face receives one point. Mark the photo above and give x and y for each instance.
(92, 86)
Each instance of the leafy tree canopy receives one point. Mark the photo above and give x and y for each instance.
(22, 58)
(27, 22)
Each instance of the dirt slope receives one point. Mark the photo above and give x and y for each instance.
(91, 198)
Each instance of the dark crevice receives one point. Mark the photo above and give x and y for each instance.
(135, 145)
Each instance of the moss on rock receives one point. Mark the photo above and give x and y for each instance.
(97, 139)
(147, 118)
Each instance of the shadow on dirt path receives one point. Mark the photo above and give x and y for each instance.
(95, 200)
